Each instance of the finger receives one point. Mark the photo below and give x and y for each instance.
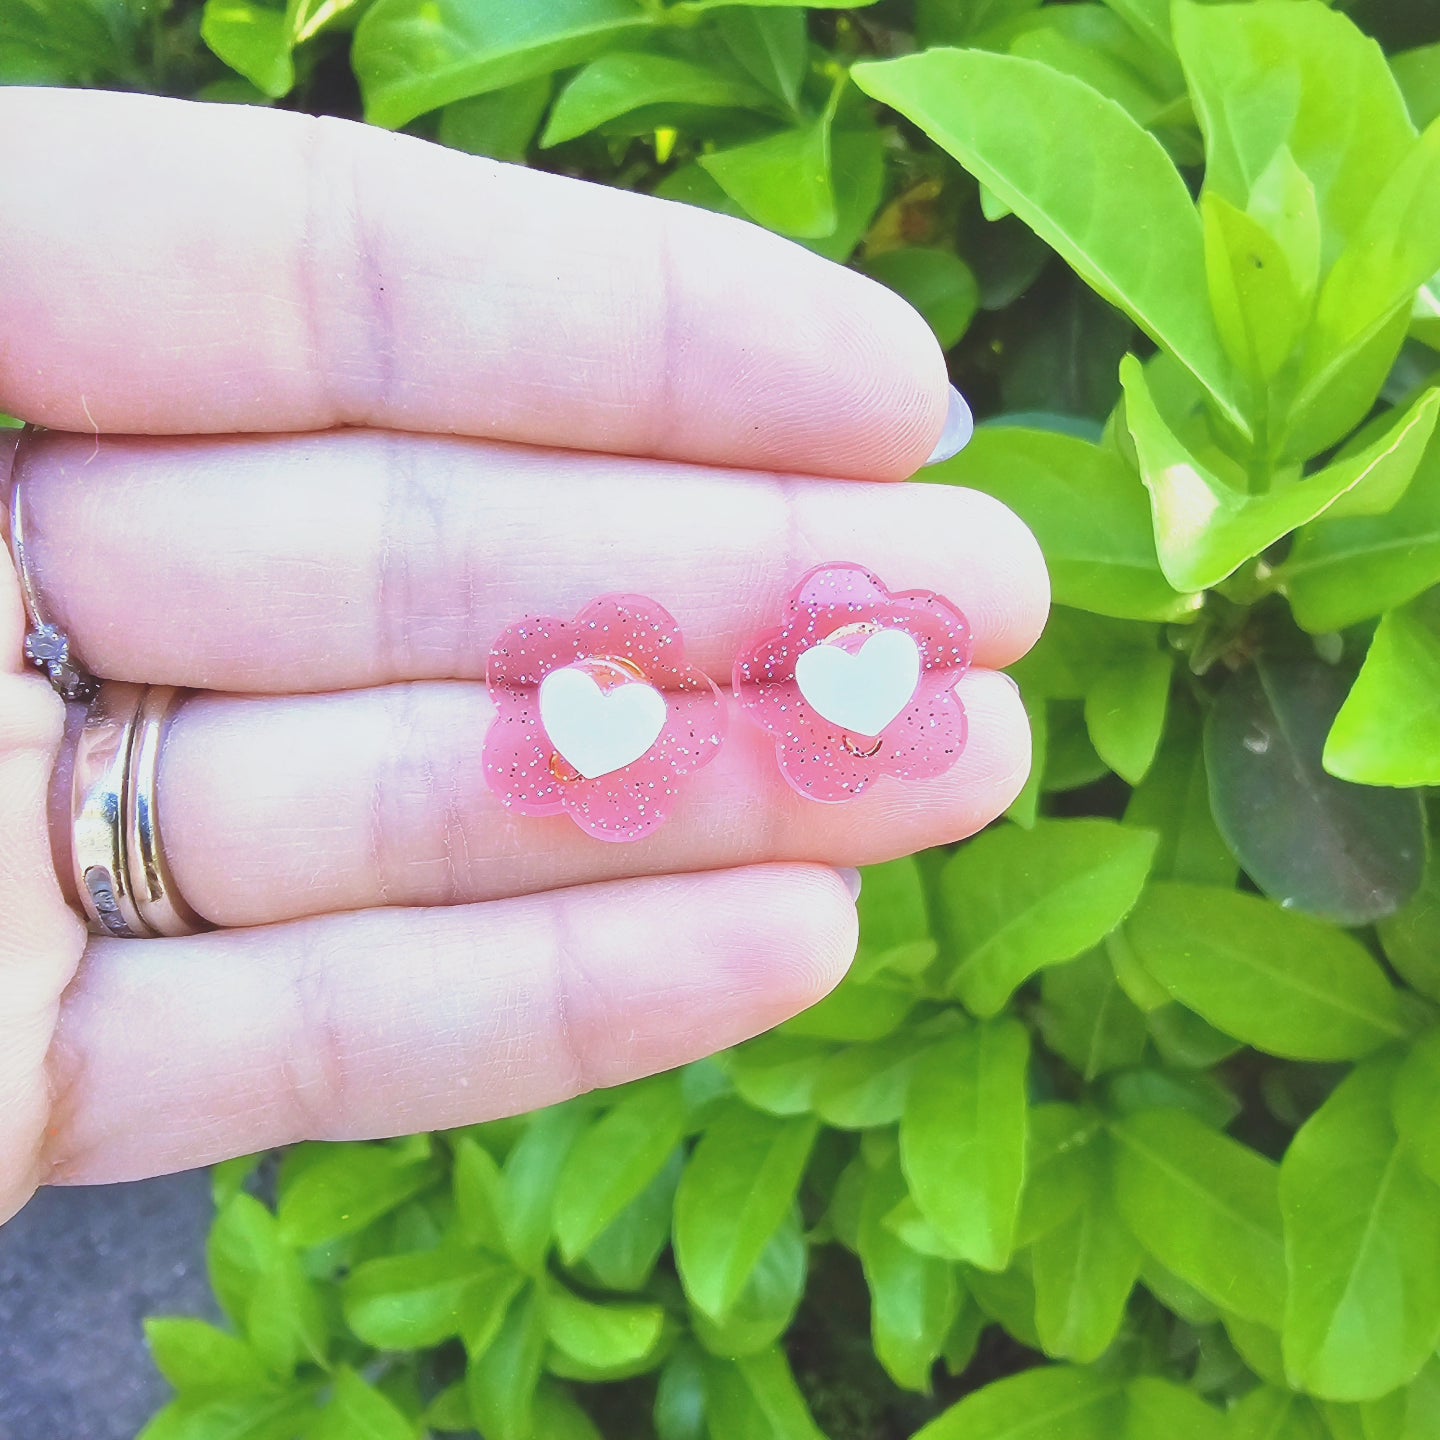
(281, 808)
(354, 558)
(177, 268)
(40, 938)
(179, 1052)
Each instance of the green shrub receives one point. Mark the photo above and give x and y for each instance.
(1146, 1079)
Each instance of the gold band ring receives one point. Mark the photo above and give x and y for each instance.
(157, 899)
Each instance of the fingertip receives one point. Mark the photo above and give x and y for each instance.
(910, 384)
(1022, 607)
(795, 936)
(999, 723)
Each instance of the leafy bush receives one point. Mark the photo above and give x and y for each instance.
(1126, 1121)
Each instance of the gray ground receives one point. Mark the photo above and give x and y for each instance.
(79, 1270)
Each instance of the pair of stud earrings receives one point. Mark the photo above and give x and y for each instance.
(601, 717)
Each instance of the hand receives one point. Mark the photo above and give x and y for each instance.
(176, 280)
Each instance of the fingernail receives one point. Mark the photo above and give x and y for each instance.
(959, 427)
(1010, 681)
(851, 879)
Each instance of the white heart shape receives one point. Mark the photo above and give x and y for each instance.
(599, 731)
(863, 691)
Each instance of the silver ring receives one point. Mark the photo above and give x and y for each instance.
(99, 786)
(47, 647)
(121, 874)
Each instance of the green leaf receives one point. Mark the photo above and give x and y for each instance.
(1362, 1246)
(1393, 252)
(1057, 1400)
(330, 1191)
(1277, 980)
(894, 921)
(1177, 1296)
(1202, 1095)
(73, 42)
(254, 40)
(1412, 1413)
(500, 123)
(737, 1189)
(1417, 1116)
(235, 1417)
(1085, 1268)
(614, 1160)
(1025, 807)
(1341, 571)
(701, 7)
(357, 1411)
(1156, 1407)
(411, 56)
(1186, 1042)
(859, 1009)
(1088, 1019)
(449, 1410)
(1057, 1168)
(914, 1298)
(1099, 48)
(680, 1397)
(1205, 1207)
(1268, 76)
(757, 1397)
(782, 181)
(411, 1302)
(625, 1254)
(501, 1378)
(857, 172)
(559, 1417)
(1047, 145)
(963, 1136)
(777, 1072)
(1204, 528)
(1388, 730)
(1174, 801)
(624, 81)
(771, 46)
(1007, 1298)
(866, 1085)
(478, 1187)
(1258, 306)
(767, 1304)
(1417, 73)
(1271, 1414)
(1061, 355)
(1088, 512)
(201, 1361)
(613, 1337)
(261, 1286)
(1412, 936)
(1349, 853)
(531, 1181)
(938, 283)
(1125, 712)
(956, 22)
(1018, 900)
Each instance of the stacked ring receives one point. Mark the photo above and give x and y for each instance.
(121, 875)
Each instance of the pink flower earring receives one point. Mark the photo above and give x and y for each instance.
(599, 717)
(858, 682)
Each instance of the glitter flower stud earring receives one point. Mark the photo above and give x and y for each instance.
(598, 717)
(858, 682)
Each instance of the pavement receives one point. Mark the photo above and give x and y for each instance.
(79, 1270)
